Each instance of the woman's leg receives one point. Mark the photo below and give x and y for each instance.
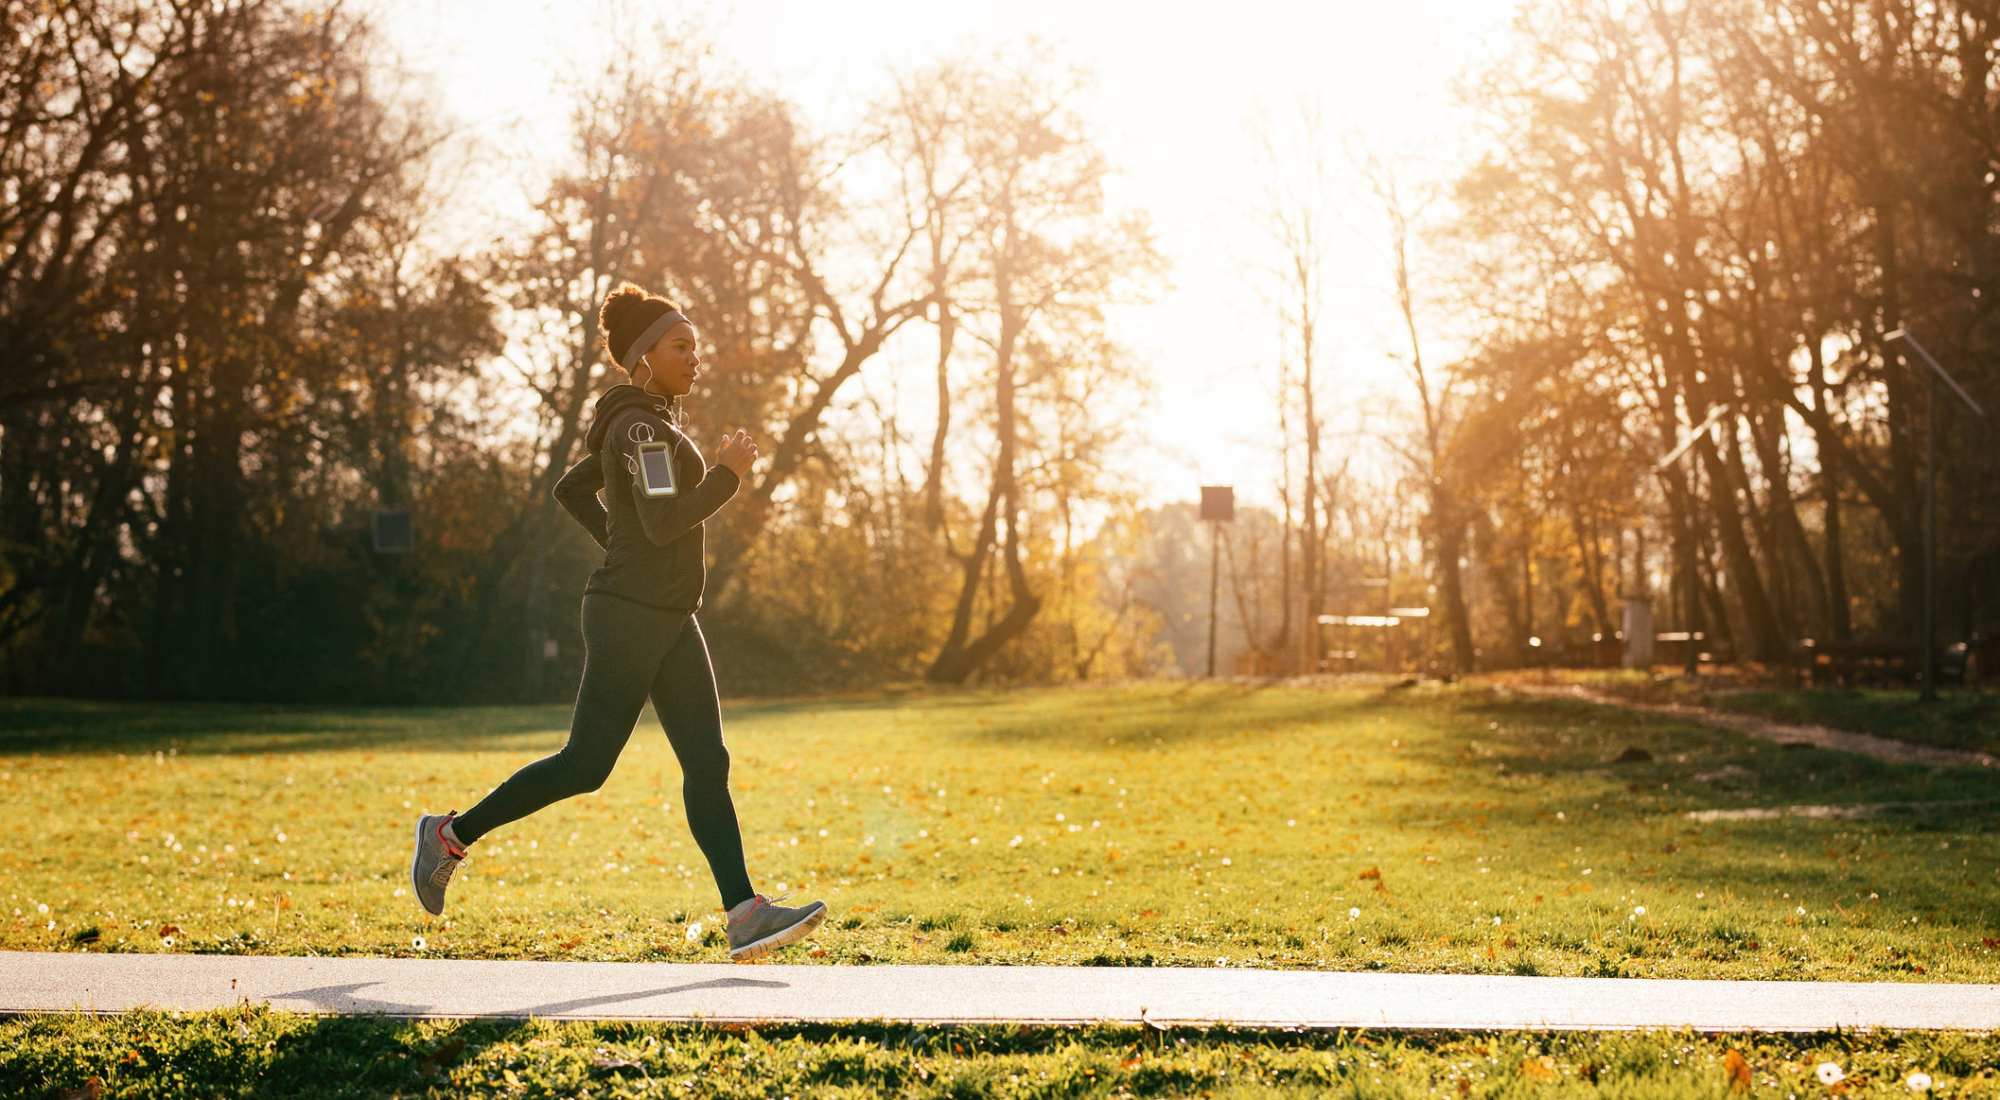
(684, 696)
(622, 646)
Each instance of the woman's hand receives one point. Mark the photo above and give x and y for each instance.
(738, 452)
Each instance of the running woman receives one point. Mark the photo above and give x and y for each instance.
(640, 634)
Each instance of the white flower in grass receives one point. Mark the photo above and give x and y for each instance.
(167, 942)
(1353, 914)
(1830, 1073)
(418, 943)
(694, 931)
(1016, 842)
(1496, 922)
(1919, 1082)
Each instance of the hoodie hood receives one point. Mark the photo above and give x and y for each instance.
(615, 400)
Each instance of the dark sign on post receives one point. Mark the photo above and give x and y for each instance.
(1218, 502)
(394, 534)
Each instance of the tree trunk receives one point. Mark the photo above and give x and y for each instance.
(1451, 587)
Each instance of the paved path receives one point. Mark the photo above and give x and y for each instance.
(1885, 749)
(60, 981)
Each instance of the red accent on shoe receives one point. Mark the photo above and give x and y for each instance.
(456, 851)
(754, 899)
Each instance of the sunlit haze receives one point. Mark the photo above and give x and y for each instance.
(1180, 105)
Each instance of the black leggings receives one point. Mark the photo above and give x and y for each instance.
(631, 651)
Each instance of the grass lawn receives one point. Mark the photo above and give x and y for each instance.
(1348, 827)
(258, 1053)
(1428, 830)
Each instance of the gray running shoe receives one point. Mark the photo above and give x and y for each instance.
(768, 926)
(434, 861)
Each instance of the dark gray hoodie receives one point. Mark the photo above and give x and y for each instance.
(652, 545)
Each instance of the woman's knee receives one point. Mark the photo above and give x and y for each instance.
(585, 773)
(708, 766)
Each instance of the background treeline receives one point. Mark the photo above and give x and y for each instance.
(1679, 206)
(230, 337)
(229, 341)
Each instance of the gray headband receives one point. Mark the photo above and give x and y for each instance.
(653, 332)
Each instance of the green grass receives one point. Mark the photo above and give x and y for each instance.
(1158, 824)
(255, 1052)
(1958, 719)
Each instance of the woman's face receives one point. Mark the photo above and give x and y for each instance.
(674, 363)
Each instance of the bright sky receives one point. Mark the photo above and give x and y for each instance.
(1178, 108)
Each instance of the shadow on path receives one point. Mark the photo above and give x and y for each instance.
(557, 1007)
(346, 999)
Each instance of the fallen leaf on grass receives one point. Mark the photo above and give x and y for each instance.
(91, 1089)
(1372, 872)
(608, 1064)
(1540, 1069)
(1738, 1070)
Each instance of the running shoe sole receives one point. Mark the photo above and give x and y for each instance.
(416, 857)
(792, 933)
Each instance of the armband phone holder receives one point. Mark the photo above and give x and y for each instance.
(656, 469)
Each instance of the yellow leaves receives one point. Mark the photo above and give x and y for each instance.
(1540, 1069)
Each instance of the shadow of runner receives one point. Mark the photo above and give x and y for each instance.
(345, 999)
(557, 1007)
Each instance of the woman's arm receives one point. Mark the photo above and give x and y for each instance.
(576, 491)
(703, 488)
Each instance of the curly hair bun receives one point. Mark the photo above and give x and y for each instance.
(626, 312)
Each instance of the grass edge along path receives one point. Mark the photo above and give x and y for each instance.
(252, 1051)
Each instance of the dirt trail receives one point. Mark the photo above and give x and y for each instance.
(1862, 744)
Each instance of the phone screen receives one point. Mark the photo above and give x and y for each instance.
(657, 469)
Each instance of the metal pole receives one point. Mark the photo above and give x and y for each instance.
(1214, 564)
(1937, 373)
(1691, 578)
(1930, 542)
